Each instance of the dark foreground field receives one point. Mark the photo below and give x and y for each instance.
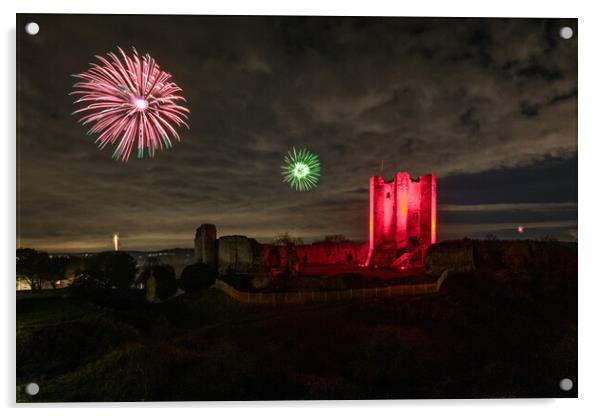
(476, 338)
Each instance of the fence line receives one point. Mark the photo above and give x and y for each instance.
(331, 295)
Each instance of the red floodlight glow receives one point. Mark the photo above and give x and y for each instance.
(402, 216)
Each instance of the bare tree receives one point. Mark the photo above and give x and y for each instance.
(286, 239)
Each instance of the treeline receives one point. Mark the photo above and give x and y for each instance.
(37, 267)
(110, 270)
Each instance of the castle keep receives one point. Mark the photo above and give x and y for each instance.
(402, 219)
(402, 224)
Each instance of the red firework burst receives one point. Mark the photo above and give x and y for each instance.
(131, 102)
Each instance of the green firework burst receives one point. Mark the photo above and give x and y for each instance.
(301, 169)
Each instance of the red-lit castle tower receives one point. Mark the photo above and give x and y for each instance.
(403, 220)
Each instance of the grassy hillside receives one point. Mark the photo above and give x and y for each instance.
(481, 336)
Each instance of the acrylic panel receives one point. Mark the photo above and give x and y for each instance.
(295, 208)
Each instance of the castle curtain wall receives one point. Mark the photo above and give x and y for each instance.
(328, 253)
(319, 253)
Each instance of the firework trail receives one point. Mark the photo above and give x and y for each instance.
(130, 102)
(301, 169)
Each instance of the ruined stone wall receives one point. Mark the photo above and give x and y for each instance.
(331, 253)
(234, 254)
(277, 298)
(318, 253)
(205, 245)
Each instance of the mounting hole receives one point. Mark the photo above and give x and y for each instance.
(32, 28)
(32, 389)
(566, 32)
(566, 384)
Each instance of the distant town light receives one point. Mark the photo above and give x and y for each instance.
(520, 229)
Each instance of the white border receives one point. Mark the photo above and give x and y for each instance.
(590, 137)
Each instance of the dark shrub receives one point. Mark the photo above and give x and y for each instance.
(455, 255)
(197, 277)
(165, 278)
(85, 284)
(108, 270)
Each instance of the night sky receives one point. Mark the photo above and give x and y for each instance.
(488, 105)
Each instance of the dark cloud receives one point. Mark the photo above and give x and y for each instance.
(529, 110)
(488, 105)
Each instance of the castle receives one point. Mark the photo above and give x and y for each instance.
(403, 219)
(402, 224)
